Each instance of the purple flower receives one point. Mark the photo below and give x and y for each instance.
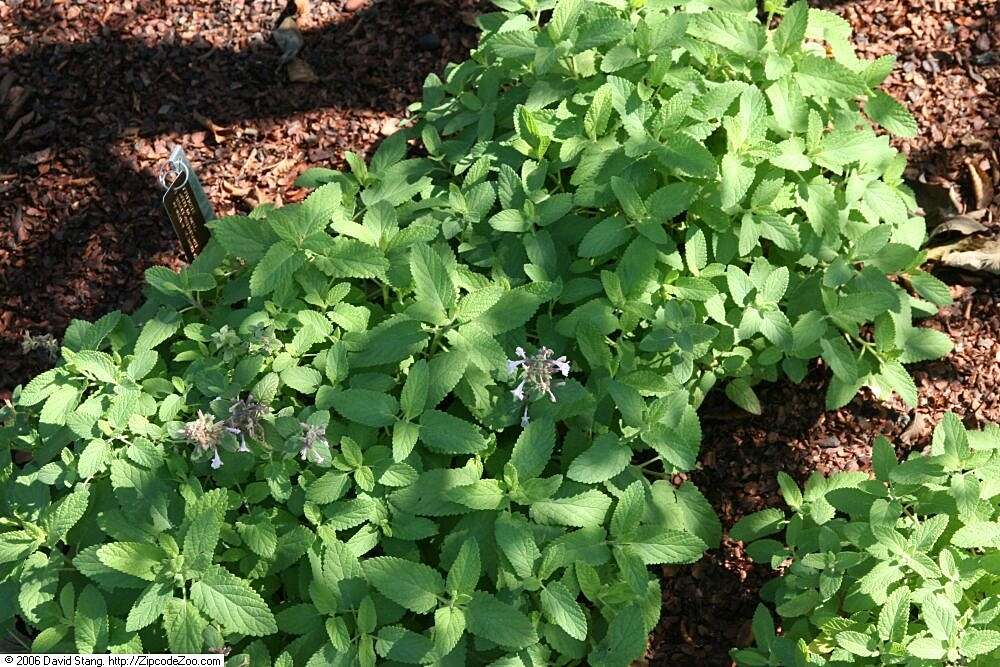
(519, 391)
(312, 435)
(216, 461)
(244, 420)
(204, 432)
(537, 373)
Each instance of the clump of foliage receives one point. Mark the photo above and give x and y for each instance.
(900, 569)
(429, 414)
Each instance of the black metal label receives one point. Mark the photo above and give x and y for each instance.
(186, 217)
(186, 204)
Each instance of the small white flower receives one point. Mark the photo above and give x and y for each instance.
(216, 461)
(518, 391)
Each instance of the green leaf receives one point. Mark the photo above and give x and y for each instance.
(448, 434)
(822, 77)
(941, 617)
(276, 268)
(261, 537)
(624, 642)
(562, 609)
(757, 525)
(407, 583)
(792, 29)
(685, 508)
(413, 397)
(655, 545)
(498, 622)
(924, 345)
(930, 288)
(891, 115)
(350, 258)
(158, 329)
(604, 237)
(230, 601)
(449, 626)
(736, 180)
(603, 460)
(135, 558)
(789, 490)
(840, 358)
(90, 622)
(64, 514)
(977, 642)
(742, 394)
(730, 30)
(596, 120)
(302, 379)
(582, 510)
(978, 535)
(484, 494)
(431, 281)
(466, 569)
(371, 408)
(894, 615)
(564, 18)
(184, 627)
(630, 201)
(857, 643)
(148, 606)
(204, 526)
(533, 448)
(896, 377)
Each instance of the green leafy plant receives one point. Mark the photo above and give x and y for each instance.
(429, 414)
(902, 569)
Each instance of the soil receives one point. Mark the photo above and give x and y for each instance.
(93, 95)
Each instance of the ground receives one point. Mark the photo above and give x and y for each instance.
(94, 93)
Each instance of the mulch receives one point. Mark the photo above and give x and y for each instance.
(93, 94)
(948, 75)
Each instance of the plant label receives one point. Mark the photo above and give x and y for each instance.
(185, 202)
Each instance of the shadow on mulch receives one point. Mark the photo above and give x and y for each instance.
(96, 101)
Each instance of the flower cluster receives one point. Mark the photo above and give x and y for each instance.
(206, 434)
(245, 420)
(536, 373)
(46, 343)
(312, 436)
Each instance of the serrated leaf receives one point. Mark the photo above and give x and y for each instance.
(497, 621)
(407, 583)
(562, 609)
(448, 434)
(431, 280)
(757, 525)
(601, 461)
(582, 510)
(891, 115)
(276, 267)
(184, 626)
(230, 601)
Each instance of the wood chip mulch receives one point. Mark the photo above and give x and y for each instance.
(948, 75)
(93, 94)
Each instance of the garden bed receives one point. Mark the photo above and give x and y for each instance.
(78, 186)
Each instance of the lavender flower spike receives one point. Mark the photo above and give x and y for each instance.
(312, 435)
(537, 373)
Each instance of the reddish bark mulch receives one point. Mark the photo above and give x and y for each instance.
(93, 93)
(948, 74)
